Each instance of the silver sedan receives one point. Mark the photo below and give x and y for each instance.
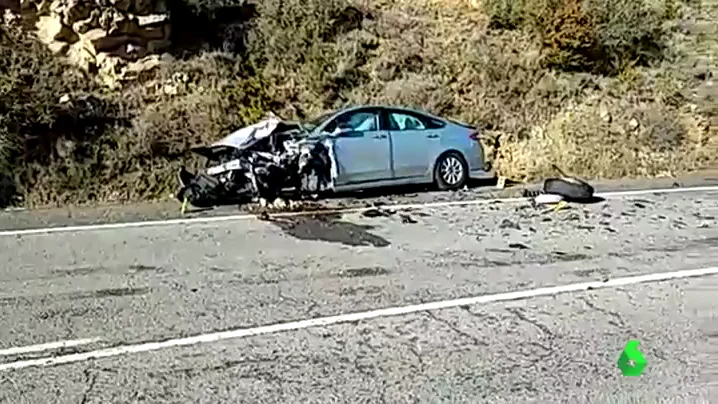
(379, 146)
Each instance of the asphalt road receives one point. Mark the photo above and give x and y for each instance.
(129, 286)
(170, 209)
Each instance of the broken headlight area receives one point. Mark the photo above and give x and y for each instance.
(260, 161)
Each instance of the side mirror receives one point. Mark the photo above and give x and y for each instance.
(342, 129)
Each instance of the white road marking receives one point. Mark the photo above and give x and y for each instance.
(426, 205)
(22, 350)
(352, 317)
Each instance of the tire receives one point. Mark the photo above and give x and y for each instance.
(570, 188)
(450, 172)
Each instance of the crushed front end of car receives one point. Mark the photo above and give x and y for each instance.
(259, 161)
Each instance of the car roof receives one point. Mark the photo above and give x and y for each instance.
(380, 106)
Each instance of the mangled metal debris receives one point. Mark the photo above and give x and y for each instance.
(548, 199)
(259, 162)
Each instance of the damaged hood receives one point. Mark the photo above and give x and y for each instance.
(248, 136)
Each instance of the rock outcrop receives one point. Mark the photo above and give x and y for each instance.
(109, 37)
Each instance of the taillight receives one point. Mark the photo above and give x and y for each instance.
(474, 135)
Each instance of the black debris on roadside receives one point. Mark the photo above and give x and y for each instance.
(407, 219)
(508, 224)
(573, 217)
(374, 212)
(679, 224)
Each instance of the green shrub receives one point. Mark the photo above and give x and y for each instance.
(31, 83)
(520, 14)
(569, 38)
(309, 51)
(629, 32)
(603, 36)
(7, 184)
(37, 125)
(506, 14)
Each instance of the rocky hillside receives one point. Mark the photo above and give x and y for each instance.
(111, 39)
(100, 99)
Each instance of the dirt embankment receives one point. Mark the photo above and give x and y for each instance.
(555, 81)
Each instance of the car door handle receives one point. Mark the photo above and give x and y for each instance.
(432, 136)
(379, 136)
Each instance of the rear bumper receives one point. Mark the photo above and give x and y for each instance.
(482, 173)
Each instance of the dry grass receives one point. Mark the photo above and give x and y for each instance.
(647, 121)
(665, 142)
(541, 87)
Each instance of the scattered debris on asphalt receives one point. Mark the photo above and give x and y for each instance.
(407, 219)
(281, 205)
(508, 224)
(679, 224)
(376, 212)
(373, 213)
(573, 217)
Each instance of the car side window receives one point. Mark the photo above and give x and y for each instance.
(401, 121)
(359, 121)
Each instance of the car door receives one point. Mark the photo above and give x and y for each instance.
(414, 146)
(361, 148)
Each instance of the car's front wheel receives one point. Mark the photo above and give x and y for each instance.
(451, 171)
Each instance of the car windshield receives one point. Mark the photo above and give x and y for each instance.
(312, 124)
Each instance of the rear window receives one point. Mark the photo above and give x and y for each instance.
(463, 124)
(429, 122)
(432, 123)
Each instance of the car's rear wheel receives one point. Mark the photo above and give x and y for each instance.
(451, 171)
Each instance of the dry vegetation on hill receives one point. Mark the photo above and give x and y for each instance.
(603, 88)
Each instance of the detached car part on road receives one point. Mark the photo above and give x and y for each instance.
(350, 149)
(561, 190)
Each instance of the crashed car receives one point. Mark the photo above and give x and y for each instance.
(349, 149)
